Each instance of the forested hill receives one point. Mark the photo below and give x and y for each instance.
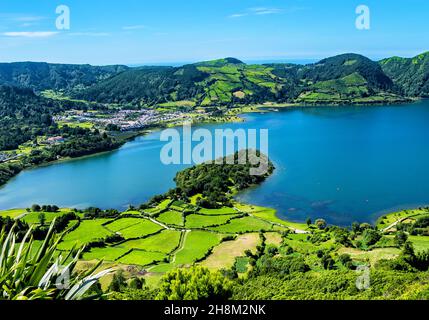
(410, 75)
(41, 76)
(344, 78)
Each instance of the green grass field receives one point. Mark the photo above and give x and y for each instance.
(106, 254)
(197, 244)
(164, 242)
(33, 217)
(142, 258)
(133, 227)
(420, 243)
(171, 218)
(13, 213)
(244, 225)
(87, 231)
(201, 221)
(223, 210)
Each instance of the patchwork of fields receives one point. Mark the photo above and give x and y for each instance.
(166, 236)
(175, 234)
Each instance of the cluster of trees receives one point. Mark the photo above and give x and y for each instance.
(214, 181)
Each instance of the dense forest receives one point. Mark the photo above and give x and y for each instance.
(410, 75)
(42, 76)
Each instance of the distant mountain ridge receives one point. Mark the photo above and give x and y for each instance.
(42, 76)
(346, 78)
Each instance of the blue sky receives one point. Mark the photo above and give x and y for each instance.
(161, 31)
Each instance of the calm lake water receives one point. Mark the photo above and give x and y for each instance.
(344, 164)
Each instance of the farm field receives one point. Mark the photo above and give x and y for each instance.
(244, 225)
(420, 243)
(142, 258)
(13, 213)
(164, 242)
(131, 228)
(87, 231)
(201, 221)
(224, 255)
(197, 245)
(171, 218)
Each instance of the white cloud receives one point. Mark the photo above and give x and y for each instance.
(136, 27)
(28, 18)
(238, 15)
(260, 11)
(90, 34)
(34, 34)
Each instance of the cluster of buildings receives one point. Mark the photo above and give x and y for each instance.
(125, 120)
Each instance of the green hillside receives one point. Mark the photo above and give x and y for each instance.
(410, 75)
(348, 78)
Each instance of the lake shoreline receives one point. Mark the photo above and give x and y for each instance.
(264, 108)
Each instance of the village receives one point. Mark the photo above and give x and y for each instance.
(121, 120)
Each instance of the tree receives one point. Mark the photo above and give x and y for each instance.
(346, 260)
(356, 227)
(370, 237)
(118, 283)
(197, 283)
(42, 218)
(308, 222)
(321, 224)
(35, 208)
(400, 238)
(136, 283)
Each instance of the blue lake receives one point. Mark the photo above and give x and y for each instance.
(344, 164)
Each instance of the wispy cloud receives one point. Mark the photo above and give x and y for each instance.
(28, 18)
(27, 34)
(135, 27)
(263, 11)
(238, 15)
(260, 11)
(256, 11)
(90, 34)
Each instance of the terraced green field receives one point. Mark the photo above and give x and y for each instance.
(87, 231)
(33, 217)
(196, 246)
(171, 218)
(194, 221)
(13, 213)
(244, 225)
(131, 228)
(142, 258)
(224, 210)
(106, 254)
(164, 242)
